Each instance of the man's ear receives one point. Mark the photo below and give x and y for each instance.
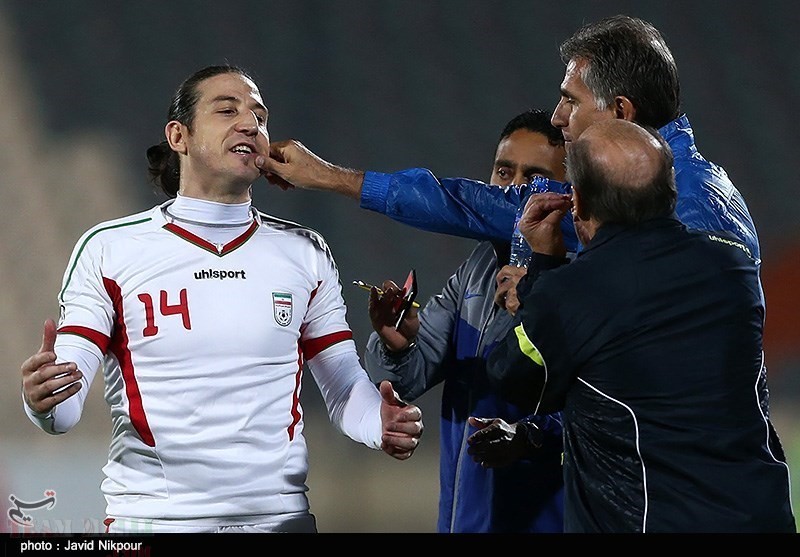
(624, 109)
(176, 136)
(577, 208)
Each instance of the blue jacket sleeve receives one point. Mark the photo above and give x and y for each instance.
(454, 206)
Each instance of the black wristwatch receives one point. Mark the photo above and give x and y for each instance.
(400, 354)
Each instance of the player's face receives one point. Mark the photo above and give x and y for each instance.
(525, 154)
(577, 109)
(229, 131)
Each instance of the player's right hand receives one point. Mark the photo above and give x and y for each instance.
(41, 376)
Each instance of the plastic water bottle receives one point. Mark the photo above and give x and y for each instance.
(520, 250)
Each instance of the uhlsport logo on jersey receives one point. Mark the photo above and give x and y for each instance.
(282, 307)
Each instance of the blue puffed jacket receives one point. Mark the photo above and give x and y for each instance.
(707, 199)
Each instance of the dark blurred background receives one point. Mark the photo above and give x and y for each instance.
(85, 86)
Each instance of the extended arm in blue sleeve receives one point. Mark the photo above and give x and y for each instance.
(454, 206)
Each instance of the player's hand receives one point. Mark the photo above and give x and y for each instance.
(506, 294)
(496, 442)
(41, 376)
(402, 424)
(291, 164)
(383, 315)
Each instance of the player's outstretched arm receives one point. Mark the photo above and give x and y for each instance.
(402, 424)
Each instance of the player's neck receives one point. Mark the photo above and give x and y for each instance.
(204, 211)
(214, 187)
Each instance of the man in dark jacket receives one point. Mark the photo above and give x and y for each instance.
(650, 343)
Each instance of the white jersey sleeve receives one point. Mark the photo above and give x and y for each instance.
(352, 400)
(79, 343)
(87, 309)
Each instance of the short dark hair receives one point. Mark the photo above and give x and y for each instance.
(537, 121)
(163, 162)
(628, 56)
(613, 195)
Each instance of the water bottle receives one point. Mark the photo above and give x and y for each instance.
(520, 250)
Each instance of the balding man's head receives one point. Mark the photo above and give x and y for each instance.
(622, 172)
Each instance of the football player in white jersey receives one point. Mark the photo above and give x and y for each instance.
(201, 313)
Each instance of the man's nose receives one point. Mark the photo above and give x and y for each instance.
(248, 124)
(519, 179)
(558, 119)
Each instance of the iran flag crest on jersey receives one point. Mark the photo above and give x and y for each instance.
(282, 307)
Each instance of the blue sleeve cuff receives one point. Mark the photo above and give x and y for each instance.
(374, 190)
(550, 425)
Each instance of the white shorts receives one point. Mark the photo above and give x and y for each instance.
(289, 523)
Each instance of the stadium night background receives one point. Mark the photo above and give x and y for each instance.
(371, 85)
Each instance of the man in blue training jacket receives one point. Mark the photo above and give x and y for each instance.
(643, 88)
(506, 476)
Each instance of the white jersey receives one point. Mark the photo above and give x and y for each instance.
(203, 349)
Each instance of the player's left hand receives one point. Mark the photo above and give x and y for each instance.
(402, 424)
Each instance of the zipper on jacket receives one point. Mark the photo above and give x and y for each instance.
(464, 436)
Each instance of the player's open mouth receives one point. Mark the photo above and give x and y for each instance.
(243, 149)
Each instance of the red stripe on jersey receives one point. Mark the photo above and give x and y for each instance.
(296, 394)
(95, 337)
(119, 347)
(314, 292)
(189, 237)
(208, 246)
(314, 346)
(236, 242)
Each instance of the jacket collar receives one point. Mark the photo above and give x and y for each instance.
(680, 136)
(608, 232)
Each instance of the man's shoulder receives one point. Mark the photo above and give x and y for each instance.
(290, 229)
(124, 225)
(723, 241)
